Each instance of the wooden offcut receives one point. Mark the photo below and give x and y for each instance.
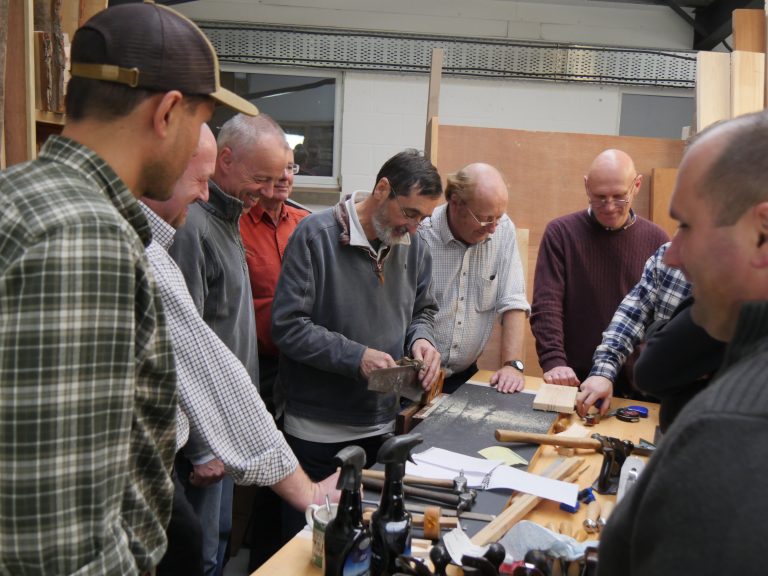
(554, 398)
(433, 105)
(713, 88)
(747, 82)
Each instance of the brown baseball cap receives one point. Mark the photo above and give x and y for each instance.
(149, 46)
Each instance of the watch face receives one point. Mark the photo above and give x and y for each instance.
(517, 364)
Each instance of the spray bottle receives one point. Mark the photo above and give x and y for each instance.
(391, 522)
(347, 541)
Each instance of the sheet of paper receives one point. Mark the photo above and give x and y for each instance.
(514, 479)
(509, 457)
(458, 544)
(445, 464)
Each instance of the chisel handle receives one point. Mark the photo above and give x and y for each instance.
(437, 482)
(531, 438)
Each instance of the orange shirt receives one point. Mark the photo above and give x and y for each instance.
(264, 244)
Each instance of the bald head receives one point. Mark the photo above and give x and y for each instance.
(611, 165)
(193, 183)
(475, 193)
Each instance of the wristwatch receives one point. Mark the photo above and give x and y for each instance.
(516, 364)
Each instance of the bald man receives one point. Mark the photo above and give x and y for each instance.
(477, 277)
(588, 261)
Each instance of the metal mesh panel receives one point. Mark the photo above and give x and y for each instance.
(345, 50)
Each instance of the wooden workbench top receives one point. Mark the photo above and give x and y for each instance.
(294, 557)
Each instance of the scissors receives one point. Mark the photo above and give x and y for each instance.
(628, 414)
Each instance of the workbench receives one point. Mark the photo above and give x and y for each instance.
(294, 558)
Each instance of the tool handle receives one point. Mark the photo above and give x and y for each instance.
(531, 438)
(607, 508)
(437, 482)
(593, 511)
(442, 497)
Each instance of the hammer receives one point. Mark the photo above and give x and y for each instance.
(458, 484)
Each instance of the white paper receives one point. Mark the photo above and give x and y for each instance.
(445, 464)
(458, 544)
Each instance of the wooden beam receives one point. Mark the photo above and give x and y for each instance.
(433, 105)
(714, 22)
(713, 88)
(3, 44)
(747, 82)
(749, 30)
(19, 109)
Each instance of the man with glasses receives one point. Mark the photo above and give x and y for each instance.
(354, 295)
(265, 230)
(588, 261)
(251, 161)
(478, 277)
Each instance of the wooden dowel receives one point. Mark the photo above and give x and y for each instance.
(549, 439)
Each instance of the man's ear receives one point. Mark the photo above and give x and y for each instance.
(760, 212)
(167, 112)
(638, 182)
(382, 189)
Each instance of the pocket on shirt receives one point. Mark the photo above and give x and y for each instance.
(486, 296)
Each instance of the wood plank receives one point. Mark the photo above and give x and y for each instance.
(713, 88)
(555, 398)
(433, 105)
(88, 8)
(662, 185)
(545, 177)
(491, 358)
(3, 45)
(430, 143)
(749, 30)
(747, 82)
(19, 112)
(70, 17)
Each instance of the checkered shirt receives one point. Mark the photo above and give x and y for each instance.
(655, 297)
(87, 382)
(218, 397)
(473, 285)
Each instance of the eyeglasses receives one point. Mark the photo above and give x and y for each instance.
(622, 201)
(482, 223)
(412, 215)
(292, 168)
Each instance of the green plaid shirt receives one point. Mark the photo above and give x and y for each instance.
(87, 381)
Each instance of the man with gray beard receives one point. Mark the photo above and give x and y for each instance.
(354, 296)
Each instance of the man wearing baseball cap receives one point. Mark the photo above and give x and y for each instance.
(87, 379)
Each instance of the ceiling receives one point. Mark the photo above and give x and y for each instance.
(710, 19)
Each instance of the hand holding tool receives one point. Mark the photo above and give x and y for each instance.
(403, 380)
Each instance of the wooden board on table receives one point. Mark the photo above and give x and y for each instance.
(662, 186)
(713, 88)
(554, 398)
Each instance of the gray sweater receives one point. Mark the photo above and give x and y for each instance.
(700, 506)
(211, 256)
(330, 305)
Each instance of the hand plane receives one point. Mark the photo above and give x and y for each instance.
(402, 380)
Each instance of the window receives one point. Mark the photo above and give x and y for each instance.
(308, 108)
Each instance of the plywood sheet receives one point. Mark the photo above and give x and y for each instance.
(747, 82)
(554, 398)
(662, 185)
(749, 29)
(545, 172)
(713, 88)
(491, 358)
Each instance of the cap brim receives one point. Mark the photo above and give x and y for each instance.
(234, 101)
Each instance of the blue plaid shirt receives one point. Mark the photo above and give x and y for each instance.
(655, 297)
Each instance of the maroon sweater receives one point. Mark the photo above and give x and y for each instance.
(582, 273)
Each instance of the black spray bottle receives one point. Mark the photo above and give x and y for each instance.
(391, 523)
(347, 541)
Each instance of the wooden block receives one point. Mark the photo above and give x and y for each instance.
(713, 93)
(19, 105)
(747, 82)
(749, 30)
(662, 186)
(554, 398)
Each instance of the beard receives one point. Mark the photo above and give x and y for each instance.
(388, 234)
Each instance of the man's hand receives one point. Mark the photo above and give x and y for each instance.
(592, 390)
(326, 486)
(373, 360)
(423, 350)
(561, 375)
(508, 379)
(207, 474)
